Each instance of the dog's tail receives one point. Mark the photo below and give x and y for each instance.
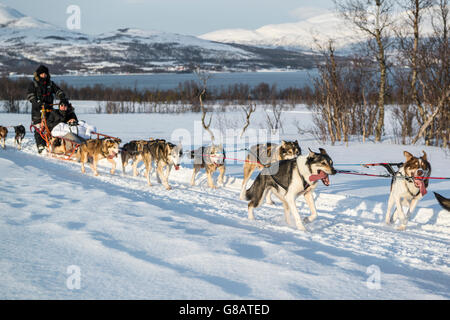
(444, 202)
(256, 191)
(78, 153)
(124, 157)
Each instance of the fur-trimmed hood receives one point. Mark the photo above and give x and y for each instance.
(39, 70)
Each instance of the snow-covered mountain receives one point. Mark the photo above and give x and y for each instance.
(302, 34)
(306, 34)
(26, 42)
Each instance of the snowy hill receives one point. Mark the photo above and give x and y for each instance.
(26, 42)
(302, 34)
(126, 240)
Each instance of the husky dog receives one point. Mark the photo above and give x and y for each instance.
(98, 149)
(63, 145)
(3, 135)
(290, 179)
(165, 155)
(20, 134)
(134, 151)
(211, 158)
(408, 186)
(444, 202)
(262, 155)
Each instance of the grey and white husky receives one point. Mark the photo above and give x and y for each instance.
(211, 158)
(290, 179)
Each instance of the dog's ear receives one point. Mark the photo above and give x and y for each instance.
(283, 143)
(311, 153)
(407, 155)
(424, 157)
(323, 151)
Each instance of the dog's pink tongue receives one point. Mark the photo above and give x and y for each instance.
(421, 184)
(315, 177)
(177, 167)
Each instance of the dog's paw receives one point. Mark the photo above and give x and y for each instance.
(401, 227)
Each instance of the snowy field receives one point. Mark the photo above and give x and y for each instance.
(65, 235)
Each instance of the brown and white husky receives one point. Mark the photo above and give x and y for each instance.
(408, 186)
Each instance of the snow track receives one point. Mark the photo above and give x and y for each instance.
(136, 241)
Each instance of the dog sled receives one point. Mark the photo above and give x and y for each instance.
(63, 147)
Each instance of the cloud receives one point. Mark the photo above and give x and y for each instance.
(303, 13)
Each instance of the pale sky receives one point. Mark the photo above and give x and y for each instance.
(189, 17)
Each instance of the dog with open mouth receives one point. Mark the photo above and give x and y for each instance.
(97, 149)
(165, 155)
(408, 186)
(287, 179)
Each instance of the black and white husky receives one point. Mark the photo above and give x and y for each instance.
(290, 179)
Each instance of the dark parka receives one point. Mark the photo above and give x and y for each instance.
(57, 116)
(42, 91)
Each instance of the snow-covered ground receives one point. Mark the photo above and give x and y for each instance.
(65, 235)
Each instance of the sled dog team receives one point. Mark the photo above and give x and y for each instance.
(284, 172)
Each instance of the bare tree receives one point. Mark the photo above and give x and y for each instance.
(409, 45)
(248, 110)
(343, 100)
(203, 78)
(374, 18)
(11, 94)
(273, 118)
(434, 80)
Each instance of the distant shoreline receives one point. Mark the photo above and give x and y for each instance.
(163, 73)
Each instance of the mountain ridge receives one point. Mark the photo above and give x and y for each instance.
(26, 42)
